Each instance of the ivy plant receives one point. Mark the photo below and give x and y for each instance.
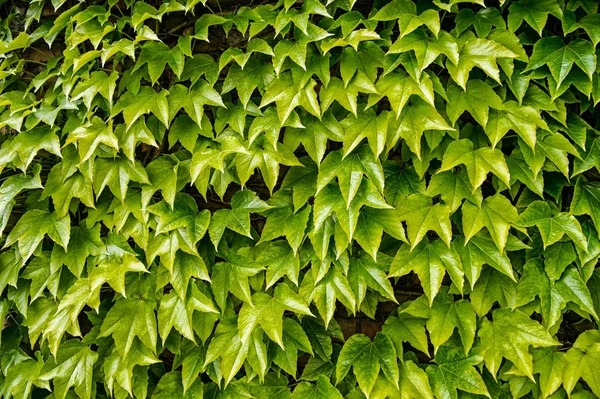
(299, 199)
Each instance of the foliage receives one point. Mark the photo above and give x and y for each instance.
(299, 199)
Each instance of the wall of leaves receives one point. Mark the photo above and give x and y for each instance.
(199, 197)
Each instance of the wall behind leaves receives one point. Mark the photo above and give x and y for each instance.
(299, 199)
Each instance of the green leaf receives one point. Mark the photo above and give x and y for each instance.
(521, 119)
(73, 367)
(323, 389)
(31, 228)
(349, 171)
(157, 55)
(421, 216)
(128, 319)
(238, 217)
(455, 371)
(232, 276)
(408, 19)
(443, 317)
(116, 174)
(146, 101)
(453, 188)
(10, 188)
(478, 162)
(170, 386)
(178, 313)
(364, 272)
(559, 58)
(288, 91)
(535, 13)
(481, 53)
(586, 200)
(366, 358)
(370, 226)
(496, 213)
(430, 261)
(279, 260)
(552, 225)
(267, 311)
(509, 336)
(481, 250)
(477, 99)
(406, 328)
(414, 120)
(581, 361)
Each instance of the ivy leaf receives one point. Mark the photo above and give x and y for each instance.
(586, 200)
(453, 188)
(238, 217)
(313, 135)
(477, 99)
(73, 367)
(550, 366)
(283, 221)
(366, 358)
(398, 88)
(63, 191)
(200, 65)
(178, 313)
(364, 272)
(581, 361)
(120, 369)
(411, 124)
(288, 91)
(302, 181)
(535, 13)
(521, 119)
(496, 213)
(478, 162)
(170, 385)
(554, 296)
(421, 216)
(406, 328)
(481, 53)
(330, 200)
(129, 138)
(480, 250)
(426, 49)
(559, 58)
(157, 55)
(128, 319)
(279, 260)
(443, 317)
(430, 261)
(326, 291)
(116, 174)
(455, 371)
(370, 226)
(98, 83)
(10, 188)
(232, 276)
(146, 101)
(33, 226)
(323, 389)
(408, 19)
(349, 171)
(267, 158)
(367, 125)
(20, 378)
(552, 225)
(267, 311)
(246, 79)
(509, 336)
(84, 241)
